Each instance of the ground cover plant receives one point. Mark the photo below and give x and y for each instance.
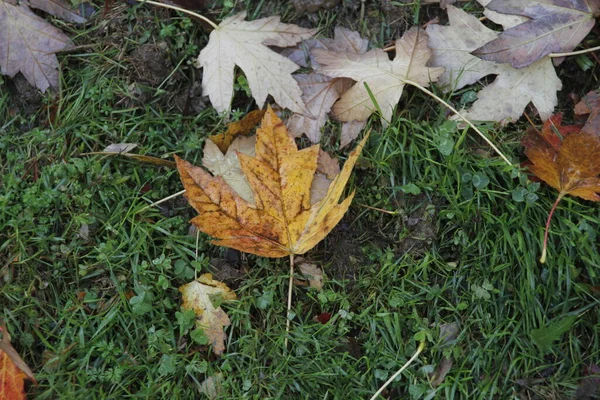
(438, 251)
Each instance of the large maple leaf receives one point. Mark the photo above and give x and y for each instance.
(282, 221)
(244, 43)
(556, 26)
(566, 158)
(385, 78)
(28, 44)
(506, 98)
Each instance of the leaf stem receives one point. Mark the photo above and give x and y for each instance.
(183, 10)
(162, 201)
(437, 98)
(544, 250)
(289, 301)
(382, 388)
(574, 53)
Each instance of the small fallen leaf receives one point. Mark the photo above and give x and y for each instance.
(120, 148)
(244, 43)
(505, 99)
(313, 274)
(385, 78)
(436, 378)
(234, 129)
(28, 44)
(544, 337)
(566, 160)
(556, 26)
(198, 296)
(59, 8)
(282, 221)
(211, 386)
(590, 104)
(228, 165)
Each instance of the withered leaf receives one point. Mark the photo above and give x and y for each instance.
(569, 162)
(13, 370)
(244, 43)
(242, 127)
(282, 221)
(505, 99)
(385, 78)
(556, 26)
(198, 296)
(28, 44)
(123, 149)
(59, 8)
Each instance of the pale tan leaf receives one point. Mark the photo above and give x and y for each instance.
(350, 131)
(384, 78)
(506, 98)
(197, 296)
(120, 147)
(327, 169)
(28, 45)
(244, 43)
(506, 20)
(228, 165)
(313, 274)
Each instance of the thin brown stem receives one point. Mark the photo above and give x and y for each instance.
(289, 301)
(544, 250)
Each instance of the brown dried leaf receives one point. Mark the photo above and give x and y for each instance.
(28, 44)
(242, 127)
(556, 26)
(59, 8)
(385, 78)
(282, 221)
(197, 295)
(13, 369)
(590, 104)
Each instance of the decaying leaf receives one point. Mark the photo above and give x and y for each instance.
(244, 43)
(590, 104)
(234, 129)
(566, 160)
(506, 20)
(556, 26)
(282, 221)
(211, 387)
(59, 8)
(506, 98)
(327, 169)
(313, 274)
(385, 78)
(28, 45)
(319, 92)
(13, 370)
(228, 165)
(199, 295)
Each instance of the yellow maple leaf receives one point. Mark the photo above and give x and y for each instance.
(282, 221)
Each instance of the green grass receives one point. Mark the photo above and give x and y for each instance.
(97, 315)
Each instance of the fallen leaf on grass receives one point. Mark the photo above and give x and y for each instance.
(320, 92)
(199, 295)
(13, 370)
(556, 26)
(385, 78)
(211, 387)
(234, 129)
(312, 273)
(590, 104)
(244, 43)
(282, 221)
(436, 378)
(59, 8)
(28, 44)
(506, 98)
(566, 160)
(506, 20)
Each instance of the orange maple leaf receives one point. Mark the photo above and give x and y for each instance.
(282, 221)
(566, 158)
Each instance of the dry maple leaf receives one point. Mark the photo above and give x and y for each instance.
(244, 43)
(197, 295)
(282, 221)
(565, 159)
(13, 370)
(320, 92)
(556, 26)
(242, 127)
(506, 98)
(385, 78)
(28, 44)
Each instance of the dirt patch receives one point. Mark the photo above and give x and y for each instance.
(26, 100)
(150, 64)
